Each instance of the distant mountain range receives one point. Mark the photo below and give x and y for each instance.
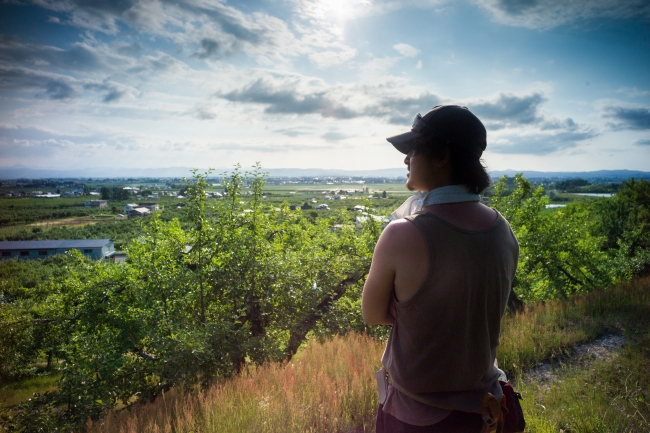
(22, 172)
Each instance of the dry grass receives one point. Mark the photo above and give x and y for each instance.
(71, 222)
(48, 224)
(330, 388)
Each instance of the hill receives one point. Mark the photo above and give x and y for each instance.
(582, 364)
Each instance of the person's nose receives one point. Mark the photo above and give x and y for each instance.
(407, 159)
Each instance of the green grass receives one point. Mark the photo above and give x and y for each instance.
(15, 392)
(546, 331)
(609, 397)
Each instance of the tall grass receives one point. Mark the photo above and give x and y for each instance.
(547, 331)
(331, 388)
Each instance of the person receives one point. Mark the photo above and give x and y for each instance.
(441, 274)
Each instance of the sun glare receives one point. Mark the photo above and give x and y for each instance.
(341, 10)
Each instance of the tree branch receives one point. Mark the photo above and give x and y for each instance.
(568, 275)
(144, 354)
(299, 332)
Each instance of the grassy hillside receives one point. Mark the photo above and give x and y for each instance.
(330, 386)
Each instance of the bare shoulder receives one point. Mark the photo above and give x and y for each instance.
(400, 232)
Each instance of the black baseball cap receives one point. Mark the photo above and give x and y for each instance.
(453, 124)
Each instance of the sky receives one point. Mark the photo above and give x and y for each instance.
(561, 85)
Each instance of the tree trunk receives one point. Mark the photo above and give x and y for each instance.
(254, 315)
(299, 332)
(515, 304)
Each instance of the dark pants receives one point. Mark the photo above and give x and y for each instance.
(456, 422)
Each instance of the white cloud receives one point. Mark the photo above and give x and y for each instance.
(334, 136)
(633, 92)
(406, 50)
(210, 29)
(333, 58)
(376, 67)
(546, 14)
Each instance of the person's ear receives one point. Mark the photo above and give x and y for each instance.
(445, 159)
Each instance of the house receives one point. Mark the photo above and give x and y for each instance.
(150, 206)
(116, 256)
(129, 207)
(139, 212)
(96, 203)
(93, 248)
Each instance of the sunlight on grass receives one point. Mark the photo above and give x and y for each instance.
(331, 388)
(610, 397)
(546, 331)
(18, 391)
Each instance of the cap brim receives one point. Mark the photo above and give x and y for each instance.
(404, 142)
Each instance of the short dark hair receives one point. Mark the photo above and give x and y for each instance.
(466, 167)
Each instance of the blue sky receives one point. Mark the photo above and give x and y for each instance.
(561, 85)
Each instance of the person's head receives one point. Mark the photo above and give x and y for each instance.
(453, 139)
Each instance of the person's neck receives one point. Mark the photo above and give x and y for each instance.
(438, 183)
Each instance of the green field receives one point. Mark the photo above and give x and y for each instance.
(35, 218)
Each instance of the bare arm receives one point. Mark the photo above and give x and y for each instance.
(399, 266)
(380, 284)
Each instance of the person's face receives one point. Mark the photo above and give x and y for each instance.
(426, 173)
(419, 171)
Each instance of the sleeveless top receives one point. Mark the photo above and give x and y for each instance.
(443, 344)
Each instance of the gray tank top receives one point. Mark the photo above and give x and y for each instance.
(444, 341)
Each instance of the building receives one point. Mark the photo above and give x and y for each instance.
(117, 256)
(129, 207)
(92, 248)
(150, 206)
(96, 203)
(139, 212)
